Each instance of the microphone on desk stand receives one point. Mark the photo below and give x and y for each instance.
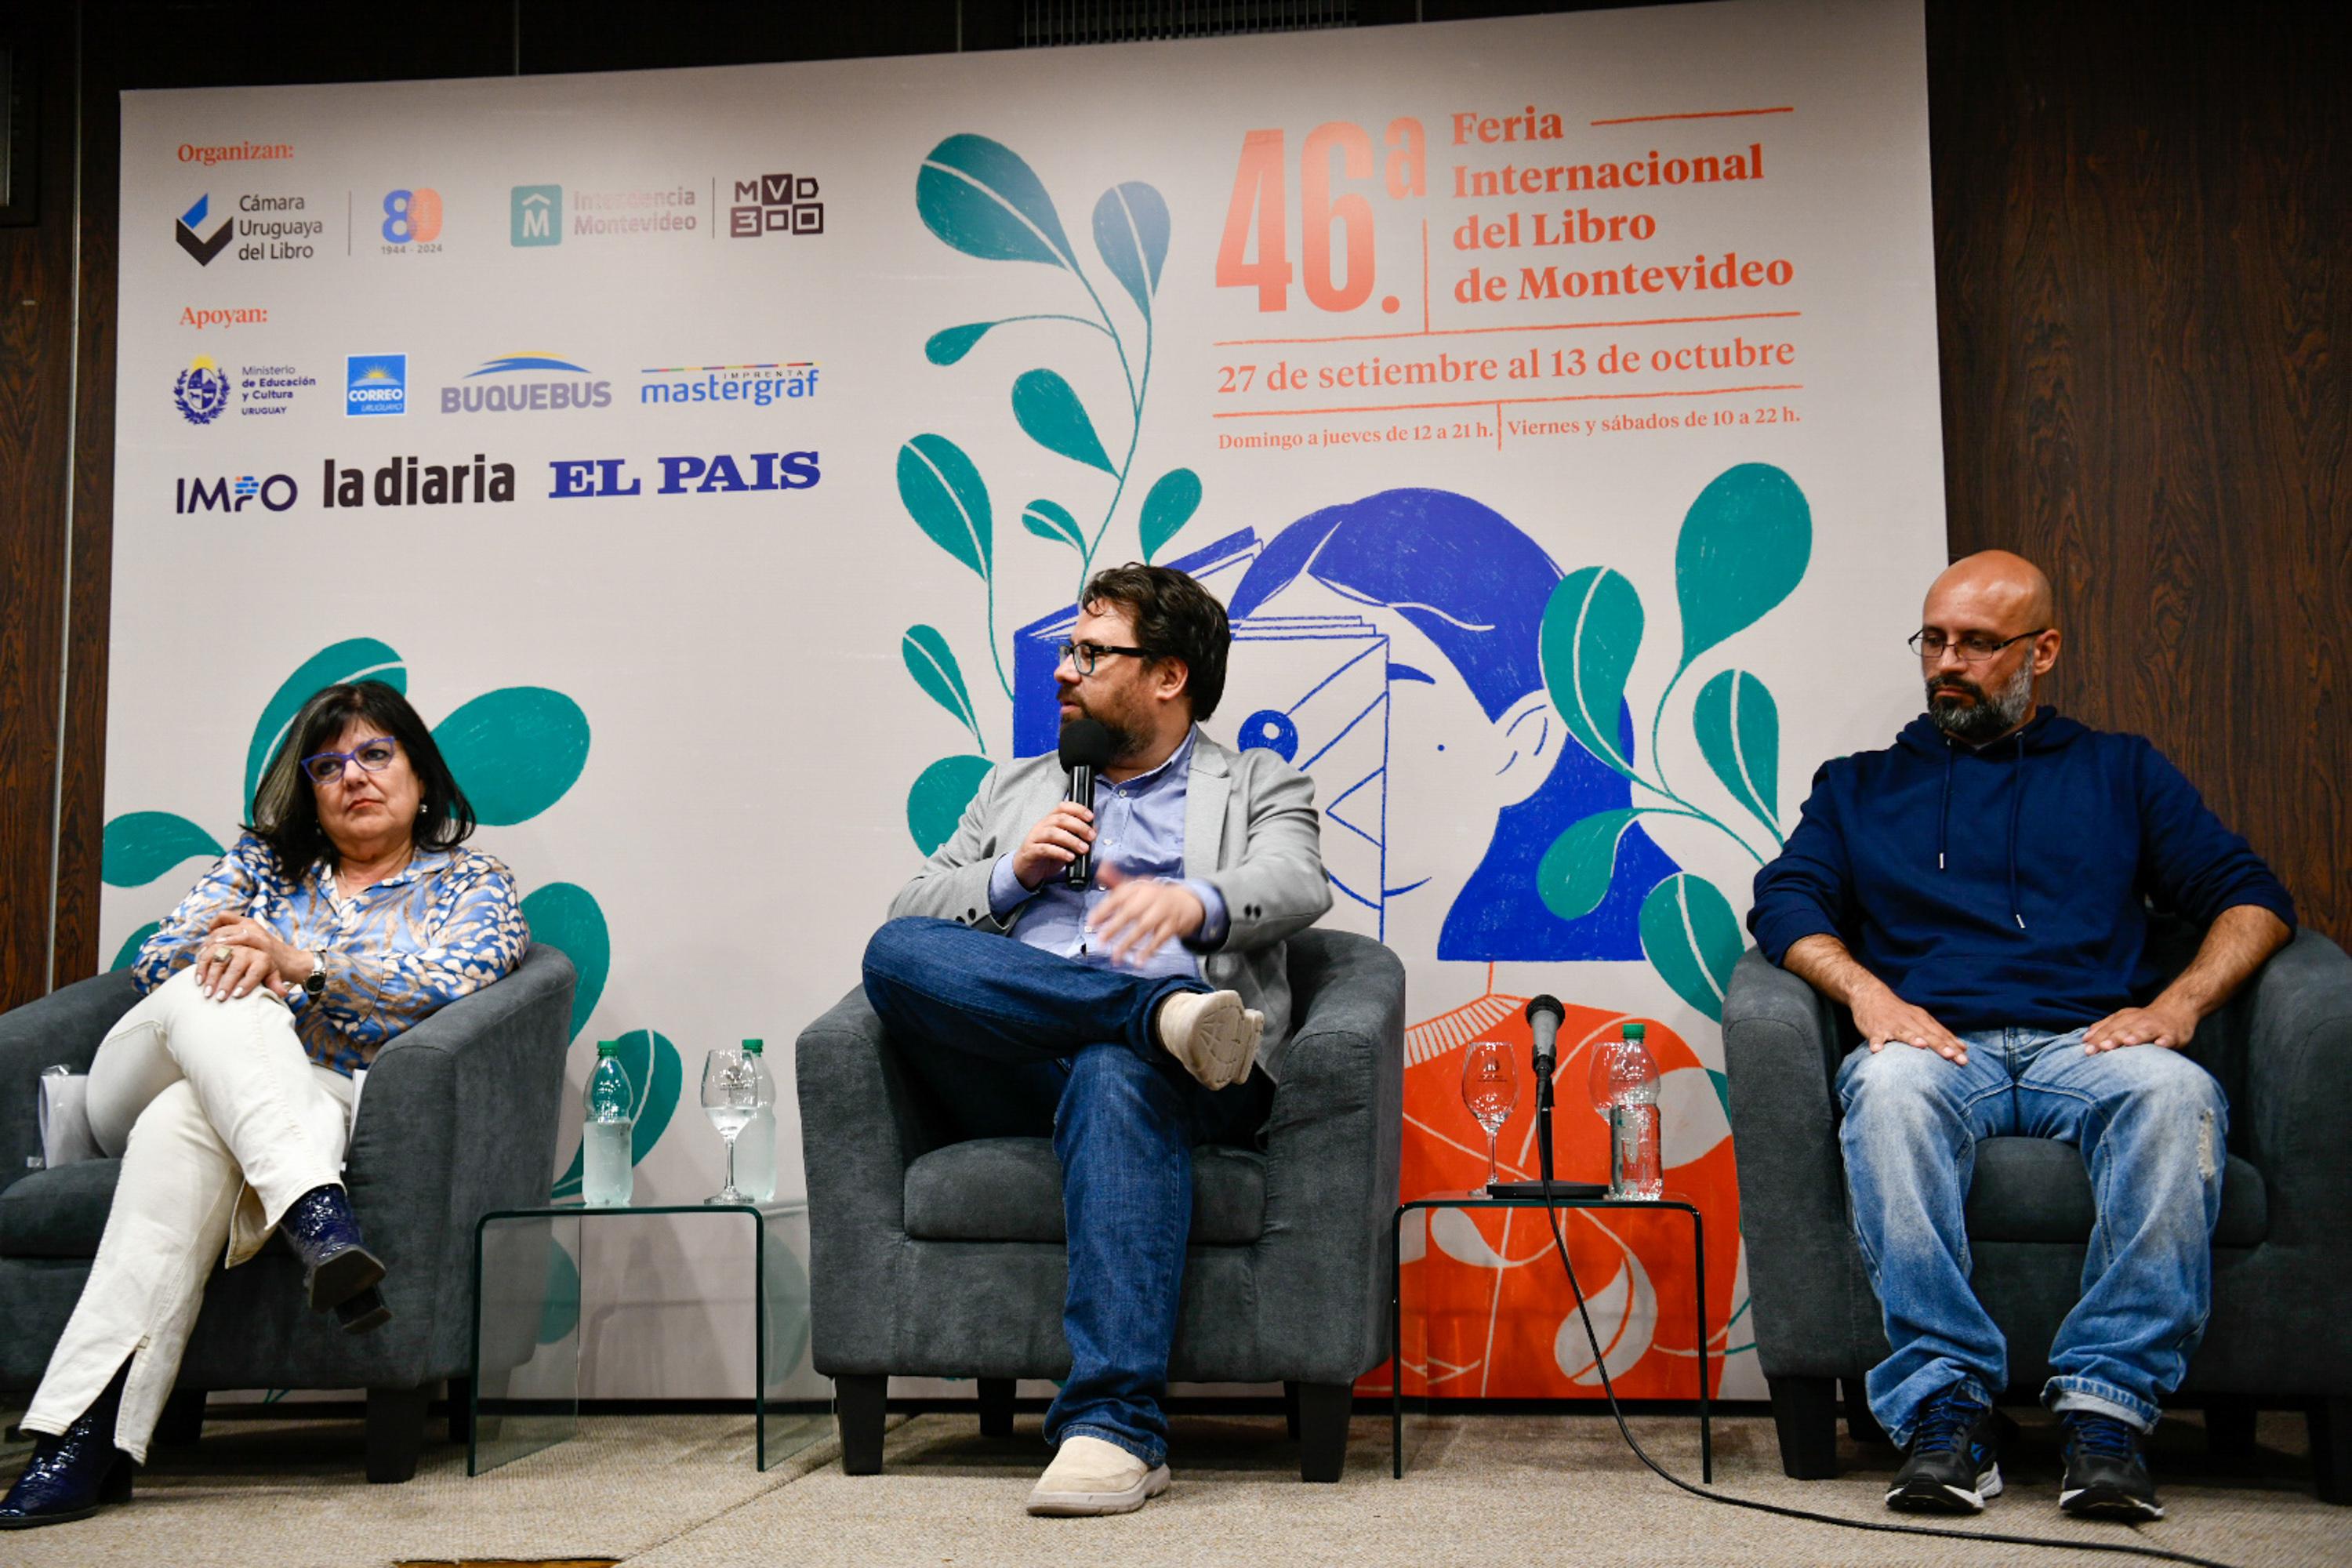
(1545, 1015)
(1086, 749)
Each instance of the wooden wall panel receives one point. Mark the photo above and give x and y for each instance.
(36, 327)
(2144, 306)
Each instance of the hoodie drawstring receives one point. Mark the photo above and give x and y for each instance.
(1944, 822)
(2016, 808)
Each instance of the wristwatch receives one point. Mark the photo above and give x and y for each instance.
(314, 983)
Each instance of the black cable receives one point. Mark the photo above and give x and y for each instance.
(1600, 1365)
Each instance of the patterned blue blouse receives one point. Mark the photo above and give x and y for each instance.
(447, 924)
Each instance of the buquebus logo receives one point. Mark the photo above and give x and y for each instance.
(188, 232)
(497, 395)
(277, 492)
(375, 384)
(201, 391)
(412, 220)
(775, 204)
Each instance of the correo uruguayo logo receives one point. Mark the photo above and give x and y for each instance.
(195, 245)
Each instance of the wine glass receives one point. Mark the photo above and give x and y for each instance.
(730, 1098)
(1490, 1088)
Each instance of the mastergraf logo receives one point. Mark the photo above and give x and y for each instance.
(187, 232)
(538, 215)
(375, 384)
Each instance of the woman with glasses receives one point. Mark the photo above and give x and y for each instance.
(347, 911)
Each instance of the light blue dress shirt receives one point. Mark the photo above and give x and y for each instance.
(1139, 829)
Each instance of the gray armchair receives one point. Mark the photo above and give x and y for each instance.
(2277, 1338)
(930, 1256)
(459, 1117)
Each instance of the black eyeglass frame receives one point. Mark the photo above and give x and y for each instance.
(1083, 656)
(1960, 645)
(341, 758)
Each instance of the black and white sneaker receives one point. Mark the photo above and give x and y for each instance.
(1953, 1463)
(2105, 1476)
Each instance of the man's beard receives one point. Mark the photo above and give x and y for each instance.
(1126, 743)
(1989, 715)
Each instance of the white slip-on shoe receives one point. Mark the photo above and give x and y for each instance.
(1090, 1476)
(1211, 1034)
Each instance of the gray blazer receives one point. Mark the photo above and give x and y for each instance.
(1250, 831)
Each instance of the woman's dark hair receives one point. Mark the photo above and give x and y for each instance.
(1175, 617)
(285, 808)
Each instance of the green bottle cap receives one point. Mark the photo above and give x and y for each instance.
(754, 1048)
(608, 1048)
(1636, 1031)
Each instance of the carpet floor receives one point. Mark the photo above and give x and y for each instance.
(680, 1493)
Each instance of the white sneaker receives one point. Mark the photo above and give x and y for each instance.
(1089, 1476)
(1211, 1034)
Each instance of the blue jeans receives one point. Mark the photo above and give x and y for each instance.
(1017, 1042)
(2151, 1125)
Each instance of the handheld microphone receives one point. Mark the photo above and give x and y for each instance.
(1545, 1015)
(1086, 748)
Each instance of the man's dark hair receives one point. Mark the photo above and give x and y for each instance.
(285, 805)
(1174, 618)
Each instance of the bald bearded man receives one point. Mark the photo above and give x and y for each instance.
(1977, 894)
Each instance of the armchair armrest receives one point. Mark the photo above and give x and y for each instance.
(2296, 1117)
(459, 1118)
(1780, 1048)
(65, 1026)
(1334, 1141)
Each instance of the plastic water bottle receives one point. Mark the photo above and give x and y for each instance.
(1625, 1087)
(607, 1174)
(755, 1146)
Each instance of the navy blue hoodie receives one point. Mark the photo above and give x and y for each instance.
(2003, 886)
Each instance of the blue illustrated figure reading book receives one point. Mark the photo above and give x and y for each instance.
(1389, 647)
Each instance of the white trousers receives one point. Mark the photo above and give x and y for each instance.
(222, 1122)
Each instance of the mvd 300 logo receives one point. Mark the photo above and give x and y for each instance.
(775, 204)
(277, 492)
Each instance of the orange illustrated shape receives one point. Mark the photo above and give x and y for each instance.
(1487, 1310)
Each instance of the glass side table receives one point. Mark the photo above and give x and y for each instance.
(527, 1299)
(1480, 1200)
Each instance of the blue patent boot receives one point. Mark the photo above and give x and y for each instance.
(337, 1268)
(72, 1475)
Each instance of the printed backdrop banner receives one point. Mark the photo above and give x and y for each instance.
(714, 458)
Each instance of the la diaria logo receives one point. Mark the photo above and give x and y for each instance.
(775, 204)
(188, 232)
(201, 391)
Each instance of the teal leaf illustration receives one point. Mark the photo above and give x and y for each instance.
(1048, 521)
(565, 916)
(1131, 232)
(1591, 630)
(945, 495)
(1573, 876)
(937, 802)
(1049, 411)
(141, 846)
(515, 751)
(656, 1076)
(950, 344)
(1692, 939)
(1739, 734)
(559, 1313)
(979, 197)
(933, 665)
(129, 954)
(362, 658)
(1169, 507)
(1744, 544)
